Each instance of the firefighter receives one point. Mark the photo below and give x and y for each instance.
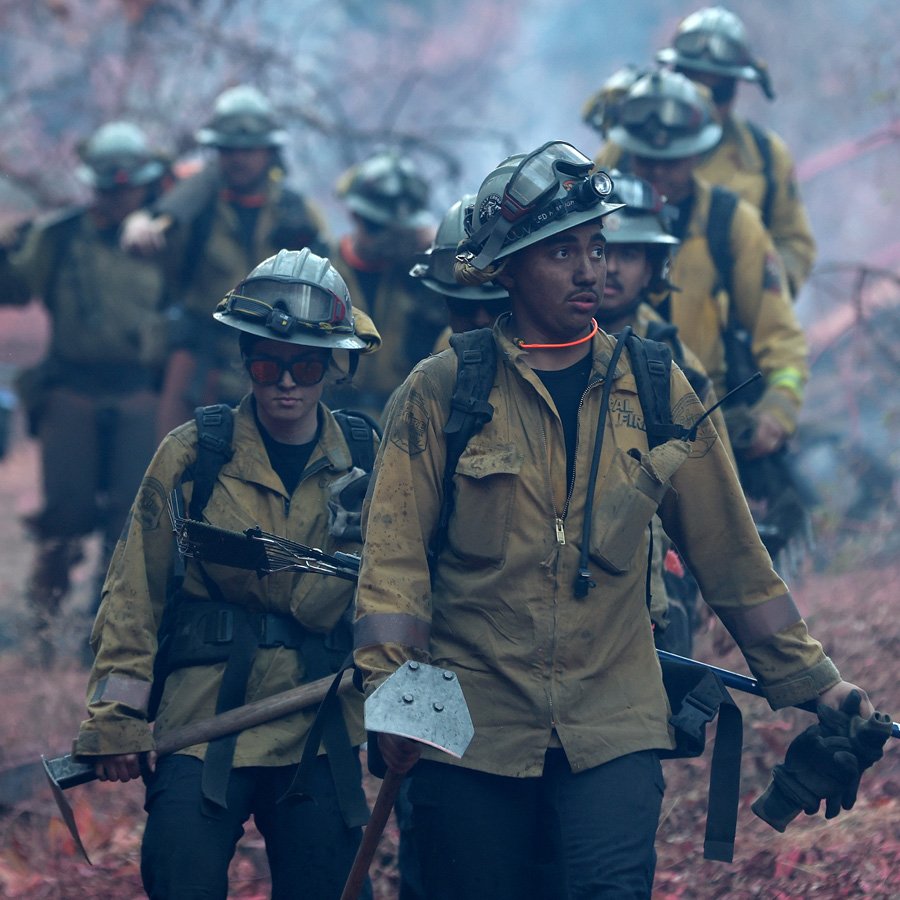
(92, 400)
(223, 636)
(535, 594)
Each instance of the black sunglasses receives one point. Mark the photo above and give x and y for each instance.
(305, 370)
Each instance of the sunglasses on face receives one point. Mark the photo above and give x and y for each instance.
(304, 370)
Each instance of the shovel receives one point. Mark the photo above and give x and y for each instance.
(423, 703)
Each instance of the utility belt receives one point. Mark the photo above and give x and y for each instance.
(205, 631)
(215, 631)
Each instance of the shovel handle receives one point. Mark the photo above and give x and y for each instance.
(384, 803)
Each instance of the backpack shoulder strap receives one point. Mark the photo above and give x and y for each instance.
(357, 428)
(215, 429)
(722, 204)
(470, 411)
(651, 365)
(764, 146)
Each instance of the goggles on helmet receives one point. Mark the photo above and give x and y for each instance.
(306, 370)
(524, 206)
(668, 111)
(312, 307)
(714, 45)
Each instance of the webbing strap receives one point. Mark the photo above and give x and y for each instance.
(329, 726)
(651, 365)
(470, 411)
(232, 693)
(215, 429)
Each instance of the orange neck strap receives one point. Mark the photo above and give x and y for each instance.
(583, 340)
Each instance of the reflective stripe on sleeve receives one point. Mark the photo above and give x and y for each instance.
(789, 379)
(391, 628)
(130, 692)
(754, 625)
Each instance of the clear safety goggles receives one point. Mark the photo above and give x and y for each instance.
(286, 306)
(668, 111)
(714, 46)
(538, 177)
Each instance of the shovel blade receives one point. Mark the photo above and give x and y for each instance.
(424, 703)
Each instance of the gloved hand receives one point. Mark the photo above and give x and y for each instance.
(825, 762)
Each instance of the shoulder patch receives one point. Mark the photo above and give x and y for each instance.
(150, 503)
(410, 426)
(685, 412)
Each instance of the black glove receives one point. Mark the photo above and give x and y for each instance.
(825, 762)
(345, 505)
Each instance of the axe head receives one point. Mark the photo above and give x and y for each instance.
(53, 769)
(423, 703)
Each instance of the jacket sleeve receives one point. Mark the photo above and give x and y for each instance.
(393, 604)
(707, 517)
(790, 227)
(124, 634)
(763, 306)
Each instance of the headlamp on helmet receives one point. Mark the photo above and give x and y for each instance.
(531, 197)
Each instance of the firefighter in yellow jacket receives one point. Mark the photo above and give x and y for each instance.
(732, 295)
(711, 48)
(537, 595)
(234, 637)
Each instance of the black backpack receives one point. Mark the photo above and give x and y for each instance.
(695, 696)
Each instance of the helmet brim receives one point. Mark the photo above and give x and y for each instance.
(680, 147)
(557, 226)
(334, 341)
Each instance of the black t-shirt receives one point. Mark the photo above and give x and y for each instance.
(288, 460)
(566, 387)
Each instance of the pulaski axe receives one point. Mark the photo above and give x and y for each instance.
(423, 703)
(67, 771)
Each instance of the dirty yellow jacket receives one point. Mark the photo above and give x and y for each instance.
(737, 164)
(760, 300)
(247, 493)
(531, 658)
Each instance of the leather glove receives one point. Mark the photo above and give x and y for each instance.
(825, 762)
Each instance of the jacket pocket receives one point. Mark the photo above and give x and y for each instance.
(629, 496)
(485, 485)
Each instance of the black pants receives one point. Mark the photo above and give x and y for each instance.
(561, 836)
(186, 853)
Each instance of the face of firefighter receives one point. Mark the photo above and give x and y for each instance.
(112, 206)
(722, 88)
(673, 178)
(245, 170)
(286, 409)
(628, 273)
(555, 285)
(467, 315)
